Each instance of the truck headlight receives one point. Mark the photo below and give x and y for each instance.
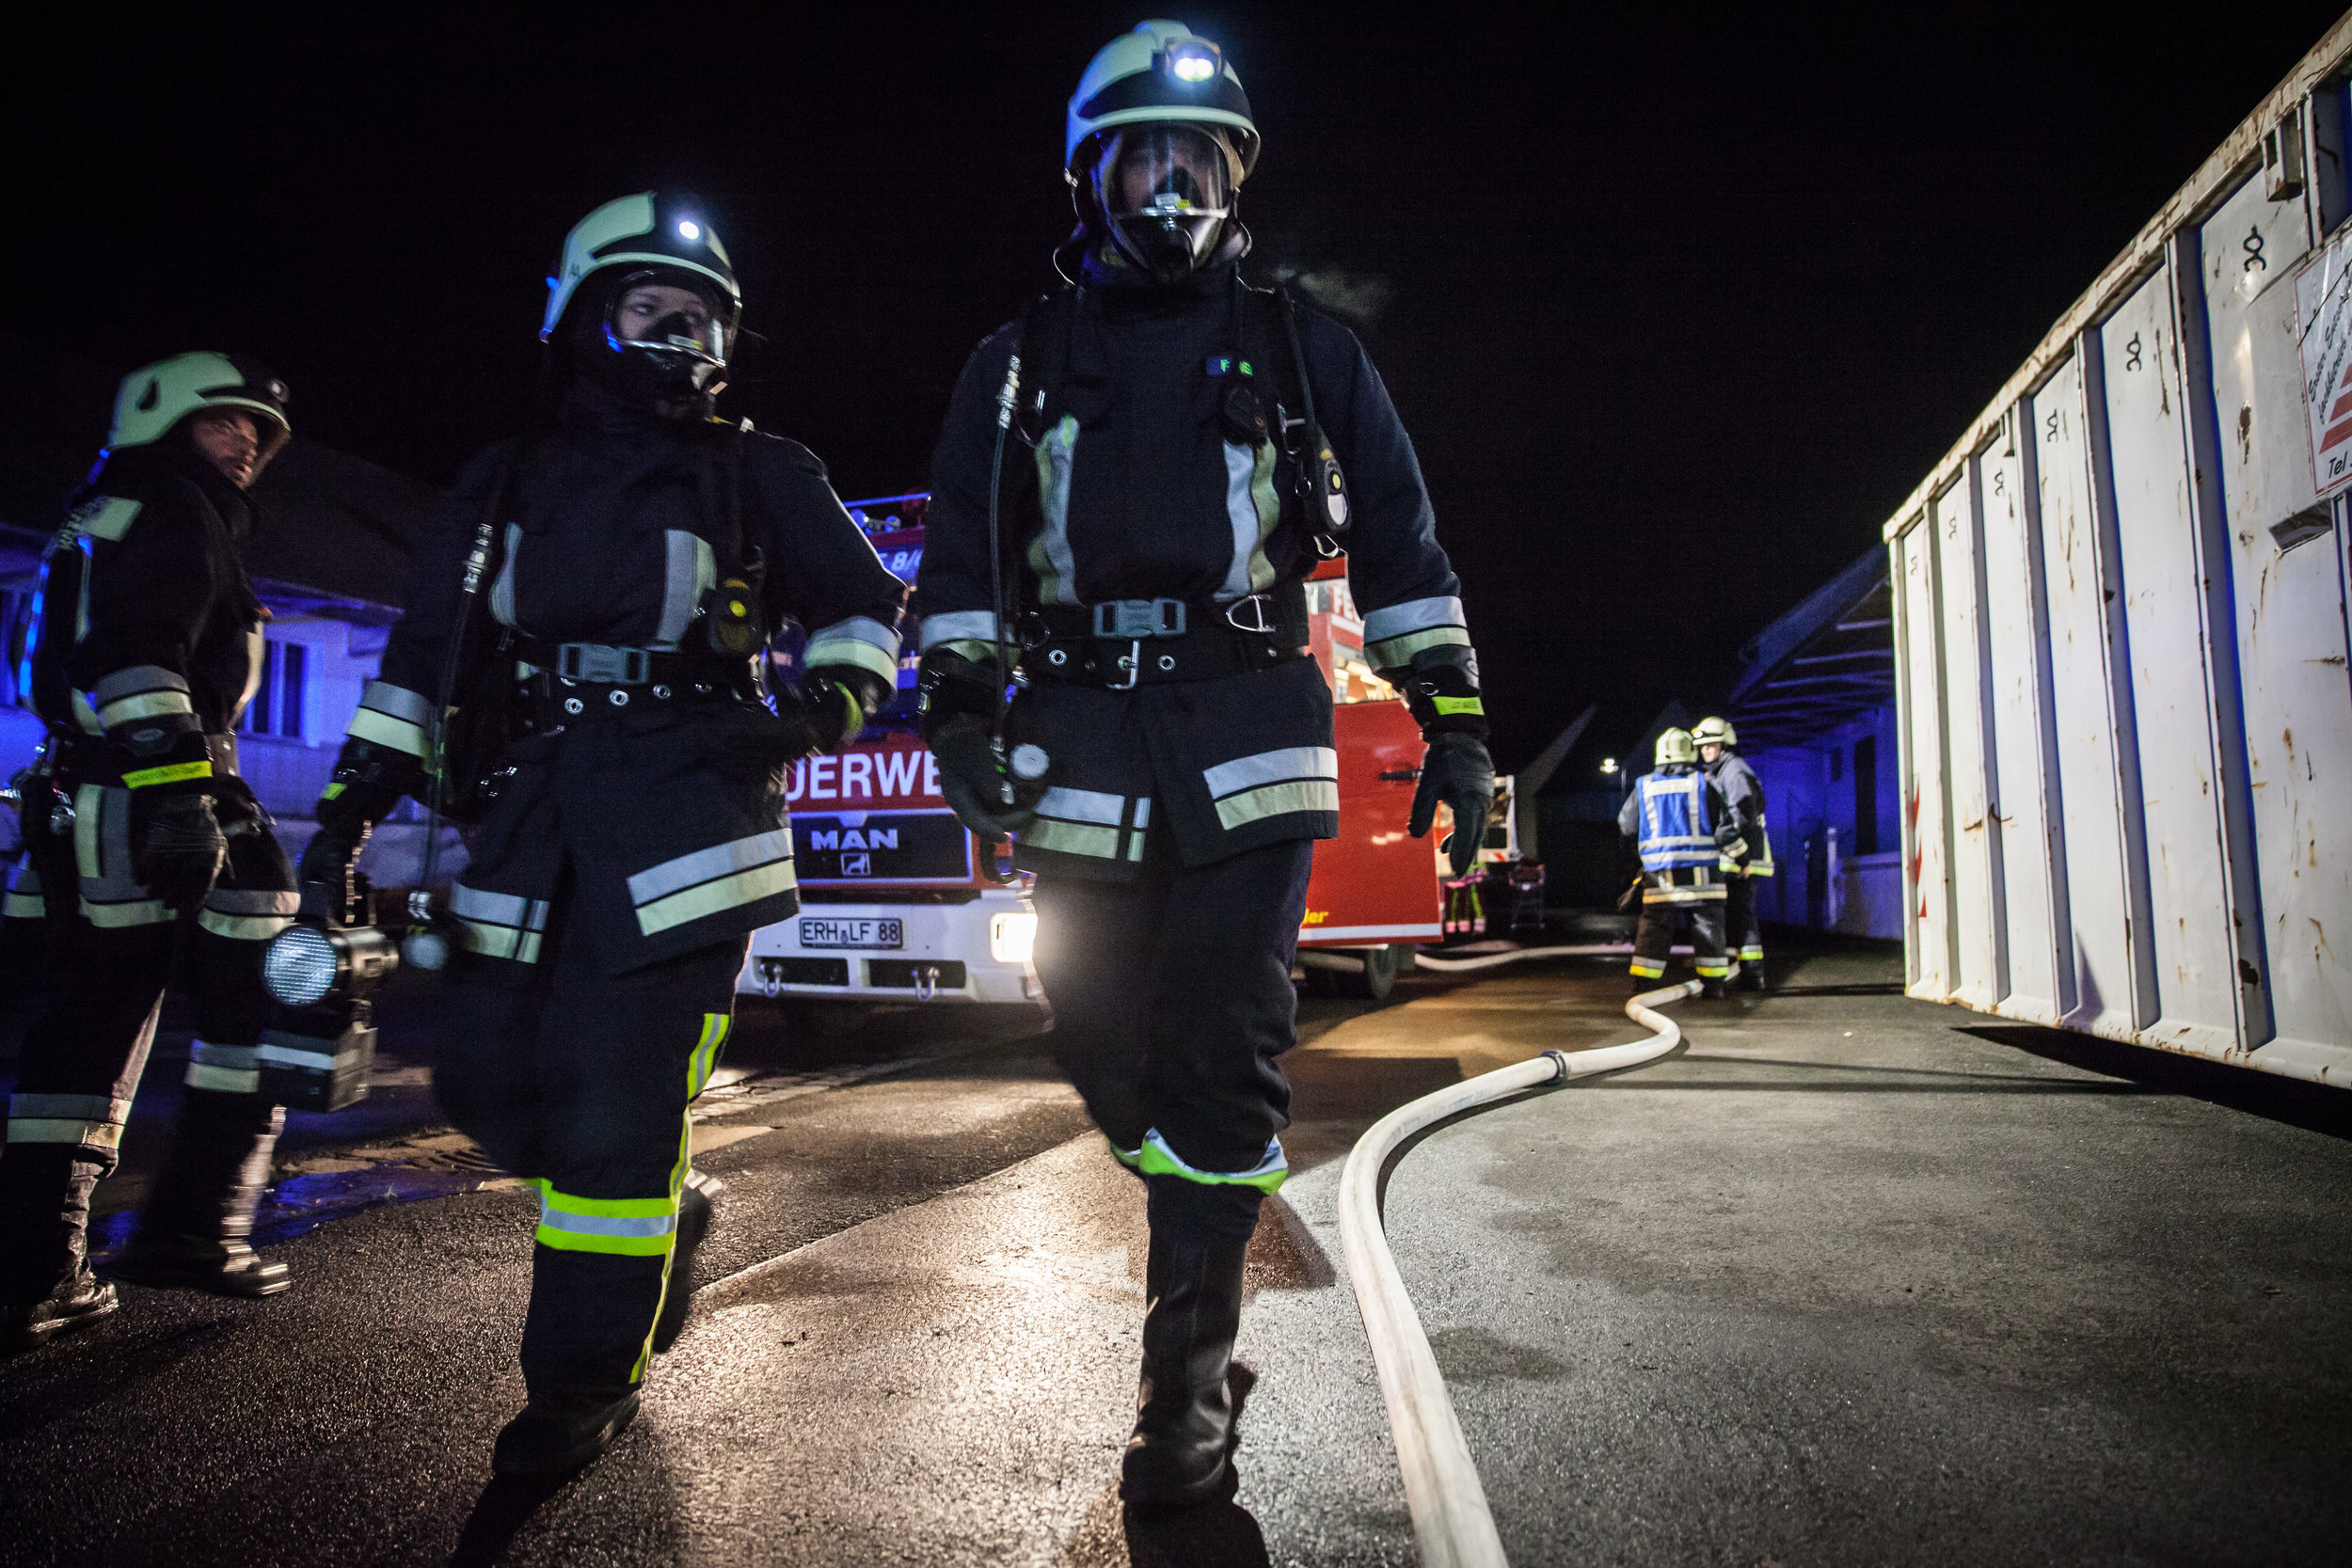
(307, 965)
(1010, 937)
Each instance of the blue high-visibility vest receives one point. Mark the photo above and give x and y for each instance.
(1675, 828)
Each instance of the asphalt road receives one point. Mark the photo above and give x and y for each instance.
(1854, 1280)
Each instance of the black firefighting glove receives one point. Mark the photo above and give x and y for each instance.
(176, 847)
(368, 782)
(840, 699)
(1457, 771)
(959, 699)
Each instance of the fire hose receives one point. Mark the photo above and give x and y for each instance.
(1452, 1525)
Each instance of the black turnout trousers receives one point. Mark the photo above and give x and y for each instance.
(1743, 933)
(108, 955)
(579, 1080)
(1171, 998)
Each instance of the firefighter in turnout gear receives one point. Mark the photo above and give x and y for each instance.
(1133, 480)
(583, 657)
(139, 837)
(1683, 833)
(1743, 796)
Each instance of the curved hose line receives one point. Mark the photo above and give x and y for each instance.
(1490, 961)
(1451, 1526)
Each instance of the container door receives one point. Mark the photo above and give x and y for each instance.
(2288, 612)
(1927, 858)
(2155, 531)
(2021, 770)
(1975, 866)
(2105, 990)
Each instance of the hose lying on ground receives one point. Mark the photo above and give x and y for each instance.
(1489, 960)
(1451, 1526)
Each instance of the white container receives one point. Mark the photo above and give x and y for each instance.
(2125, 670)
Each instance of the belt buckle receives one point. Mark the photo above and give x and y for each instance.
(1126, 620)
(602, 664)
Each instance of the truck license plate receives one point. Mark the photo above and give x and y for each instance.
(852, 933)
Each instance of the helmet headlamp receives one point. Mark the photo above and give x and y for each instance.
(1190, 61)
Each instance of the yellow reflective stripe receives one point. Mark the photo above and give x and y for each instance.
(332, 790)
(706, 1054)
(501, 942)
(1279, 800)
(176, 772)
(1391, 653)
(242, 927)
(715, 897)
(1648, 972)
(59, 1130)
(144, 705)
(1713, 972)
(979, 652)
(1155, 1158)
(1750, 955)
(849, 650)
(1071, 838)
(1457, 705)
(385, 730)
(113, 917)
(224, 1079)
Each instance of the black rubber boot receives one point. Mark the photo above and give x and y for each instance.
(693, 1224)
(1751, 977)
(561, 1432)
(1182, 1449)
(1711, 990)
(46, 1287)
(194, 1232)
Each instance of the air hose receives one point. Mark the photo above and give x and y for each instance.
(1452, 1525)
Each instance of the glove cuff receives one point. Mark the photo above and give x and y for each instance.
(172, 764)
(368, 782)
(1441, 689)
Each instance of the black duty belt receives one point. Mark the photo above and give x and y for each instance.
(572, 683)
(93, 759)
(1121, 643)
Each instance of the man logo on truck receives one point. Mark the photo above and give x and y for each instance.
(857, 866)
(851, 839)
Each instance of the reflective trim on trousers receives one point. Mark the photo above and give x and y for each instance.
(1751, 954)
(224, 1069)
(1644, 971)
(88, 1121)
(1713, 972)
(1157, 1159)
(622, 1227)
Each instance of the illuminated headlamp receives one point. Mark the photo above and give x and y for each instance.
(1190, 61)
(308, 965)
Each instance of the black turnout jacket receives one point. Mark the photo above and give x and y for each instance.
(611, 528)
(1132, 483)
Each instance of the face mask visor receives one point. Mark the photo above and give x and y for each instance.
(1166, 191)
(670, 325)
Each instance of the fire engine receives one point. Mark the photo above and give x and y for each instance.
(900, 903)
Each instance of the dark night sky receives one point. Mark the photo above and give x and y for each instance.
(1677, 309)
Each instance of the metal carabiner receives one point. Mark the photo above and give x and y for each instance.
(1131, 661)
(1260, 601)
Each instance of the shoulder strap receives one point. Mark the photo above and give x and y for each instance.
(1043, 345)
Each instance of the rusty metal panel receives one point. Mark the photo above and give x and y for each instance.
(2165, 641)
(1976, 848)
(2107, 985)
(2287, 615)
(1927, 855)
(2023, 780)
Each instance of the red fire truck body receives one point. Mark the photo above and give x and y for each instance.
(900, 903)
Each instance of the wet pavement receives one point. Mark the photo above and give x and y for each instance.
(1852, 1279)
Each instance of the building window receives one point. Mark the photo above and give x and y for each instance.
(1865, 796)
(277, 705)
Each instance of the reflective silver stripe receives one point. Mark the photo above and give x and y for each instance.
(501, 942)
(553, 1218)
(286, 1055)
(1049, 552)
(505, 909)
(141, 691)
(1083, 805)
(1396, 652)
(134, 679)
(81, 1107)
(1143, 812)
(1291, 762)
(860, 640)
(689, 570)
(110, 521)
(1413, 616)
(959, 625)
(1071, 838)
(385, 730)
(503, 591)
(1252, 507)
(25, 906)
(1281, 799)
(399, 702)
(704, 865)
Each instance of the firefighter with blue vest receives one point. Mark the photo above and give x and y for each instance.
(141, 841)
(1743, 797)
(1134, 480)
(583, 654)
(1683, 832)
